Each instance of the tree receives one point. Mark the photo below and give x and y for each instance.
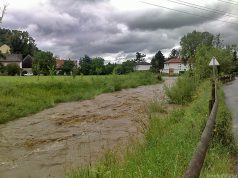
(174, 53)
(68, 67)
(22, 42)
(12, 69)
(140, 57)
(97, 67)
(45, 62)
(85, 65)
(217, 42)
(2, 68)
(204, 55)
(128, 66)
(192, 41)
(157, 62)
(109, 68)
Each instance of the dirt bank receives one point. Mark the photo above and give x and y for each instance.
(73, 134)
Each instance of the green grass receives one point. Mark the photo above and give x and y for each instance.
(219, 157)
(183, 91)
(21, 96)
(170, 143)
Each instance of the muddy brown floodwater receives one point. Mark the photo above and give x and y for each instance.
(72, 135)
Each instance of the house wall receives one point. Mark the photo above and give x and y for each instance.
(17, 63)
(143, 67)
(5, 49)
(176, 66)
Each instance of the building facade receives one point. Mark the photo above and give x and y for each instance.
(174, 66)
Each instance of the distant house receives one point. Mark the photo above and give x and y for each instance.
(12, 59)
(174, 66)
(5, 49)
(59, 63)
(142, 66)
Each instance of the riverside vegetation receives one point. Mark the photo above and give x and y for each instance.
(21, 96)
(171, 140)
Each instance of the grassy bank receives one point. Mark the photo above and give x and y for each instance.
(170, 143)
(219, 158)
(21, 96)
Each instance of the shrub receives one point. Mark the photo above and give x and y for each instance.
(12, 69)
(183, 90)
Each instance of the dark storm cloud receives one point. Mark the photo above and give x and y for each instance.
(73, 28)
(157, 19)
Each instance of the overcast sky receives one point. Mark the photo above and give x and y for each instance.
(116, 29)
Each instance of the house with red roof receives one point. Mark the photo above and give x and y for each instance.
(174, 66)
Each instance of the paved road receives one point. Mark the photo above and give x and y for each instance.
(231, 94)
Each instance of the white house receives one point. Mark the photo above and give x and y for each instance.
(174, 66)
(142, 66)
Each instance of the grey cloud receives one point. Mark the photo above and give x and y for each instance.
(155, 19)
(73, 28)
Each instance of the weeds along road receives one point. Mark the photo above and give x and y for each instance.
(72, 135)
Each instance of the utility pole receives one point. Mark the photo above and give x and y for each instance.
(3, 12)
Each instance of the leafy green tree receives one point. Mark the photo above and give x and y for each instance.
(174, 53)
(22, 42)
(140, 57)
(124, 68)
(109, 68)
(85, 65)
(217, 41)
(128, 66)
(97, 67)
(157, 62)
(2, 68)
(12, 69)
(45, 60)
(191, 41)
(68, 67)
(204, 55)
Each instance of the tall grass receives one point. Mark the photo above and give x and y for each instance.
(218, 161)
(184, 89)
(170, 143)
(168, 146)
(21, 96)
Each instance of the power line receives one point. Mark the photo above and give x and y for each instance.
(204, 8)
(184, 12)
(229, 2)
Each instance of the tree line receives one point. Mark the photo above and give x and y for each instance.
(197, 48)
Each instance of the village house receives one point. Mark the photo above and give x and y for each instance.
(12, 59)
(8, 58)
(142, 66)
(174, 66)
(5, 49)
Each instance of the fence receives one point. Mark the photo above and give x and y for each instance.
(196, 163)
(227, 78)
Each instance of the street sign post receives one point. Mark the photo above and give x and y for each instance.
(214, 63)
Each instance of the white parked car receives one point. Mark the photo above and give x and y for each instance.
(29, 74)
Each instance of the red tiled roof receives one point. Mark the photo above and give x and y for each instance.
(174, 61)
(59, 63)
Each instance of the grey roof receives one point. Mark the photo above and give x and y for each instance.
(143, 63)
(12, 58)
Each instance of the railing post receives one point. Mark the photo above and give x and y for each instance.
(212, 100)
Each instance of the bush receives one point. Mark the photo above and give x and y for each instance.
(183, 90)
(12, 69)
